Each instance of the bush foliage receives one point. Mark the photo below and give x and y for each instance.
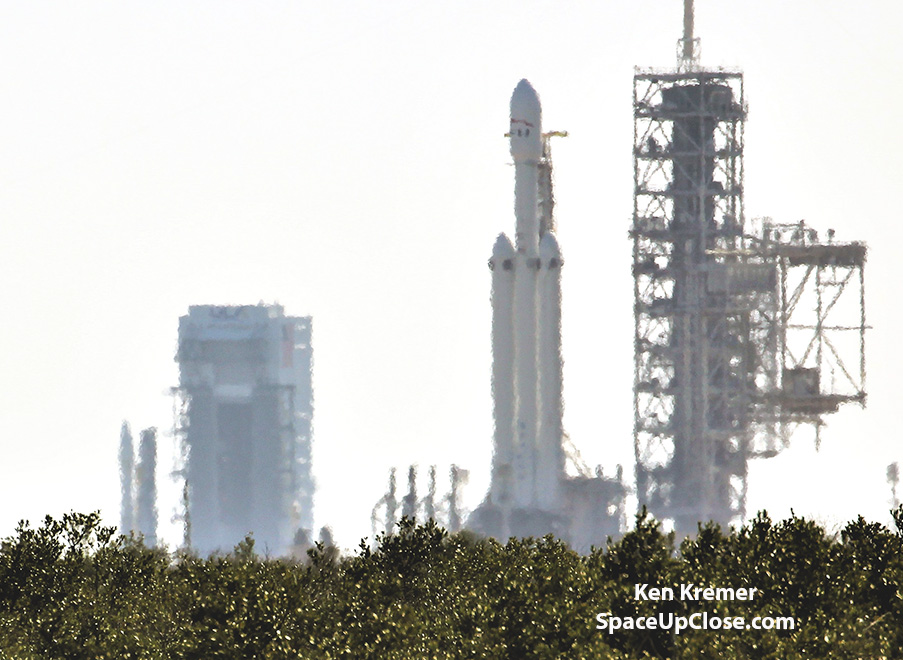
(71, 588)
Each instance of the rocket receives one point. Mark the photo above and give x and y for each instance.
(528, 462)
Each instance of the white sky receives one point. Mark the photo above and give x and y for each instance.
(347, 160)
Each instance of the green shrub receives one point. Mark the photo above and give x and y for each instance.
(71, 588)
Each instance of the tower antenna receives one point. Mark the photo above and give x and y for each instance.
(688, 46)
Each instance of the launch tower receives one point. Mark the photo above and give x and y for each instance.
(737, 336)
(244, 412)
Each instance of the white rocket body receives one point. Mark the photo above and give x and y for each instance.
(550, 453)
(502, 265)
(528, 465)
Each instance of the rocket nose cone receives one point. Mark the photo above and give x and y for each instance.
(526, 122)
(524, 99)
(502, 248)
(548, 247)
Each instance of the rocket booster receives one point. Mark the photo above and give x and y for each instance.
(550, 453)
(503, 394)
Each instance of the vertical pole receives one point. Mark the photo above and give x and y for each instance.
(688, 31)
(862, 327)
(126, 474)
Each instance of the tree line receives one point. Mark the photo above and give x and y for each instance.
(72, 588)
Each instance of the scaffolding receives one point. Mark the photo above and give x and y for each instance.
(447, 511)
(743, 331)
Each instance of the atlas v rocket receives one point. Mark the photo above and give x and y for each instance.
(528, 463)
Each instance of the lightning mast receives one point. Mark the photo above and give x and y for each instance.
(688, 47)
(126, 479)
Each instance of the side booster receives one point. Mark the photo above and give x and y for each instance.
(528, 462)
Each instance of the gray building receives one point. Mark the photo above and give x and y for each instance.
(245, 408)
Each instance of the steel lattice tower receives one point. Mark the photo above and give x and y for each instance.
(741, 333)
(694, 376)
